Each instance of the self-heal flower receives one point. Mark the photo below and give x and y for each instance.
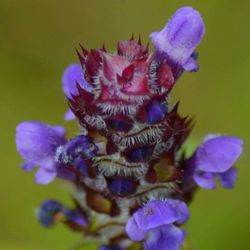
(49, 212)
(129, 149)
(216, 157)
(37, 142)
(80, 147)
(154, 224)
(180, 37)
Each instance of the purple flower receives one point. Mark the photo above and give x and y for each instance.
(48, 212)
(154, 224)
(52, 211)
(180, 37)
(72, 76)
(37, 143)
(79, 147)
(216, 157)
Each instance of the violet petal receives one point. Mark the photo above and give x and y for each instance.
(69, 115)
(218, 154)
(205, 180)
(167, 237)
(44, 176)
(134, 232)
(180, 37)
(228, 178)
(72, 75)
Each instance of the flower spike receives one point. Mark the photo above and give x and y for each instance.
(131, 179)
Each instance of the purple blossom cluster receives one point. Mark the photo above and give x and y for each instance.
(132, 182)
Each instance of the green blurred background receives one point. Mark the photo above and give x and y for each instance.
(37, 42)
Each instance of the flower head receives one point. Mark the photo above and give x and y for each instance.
(129, 149)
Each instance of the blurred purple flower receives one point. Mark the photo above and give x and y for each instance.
(72, 76)
(216, 157)
(52, 211)
(76, 217)
(48, 211)
(80, 147)
(154, 224)
(37, 143)
(180, 37)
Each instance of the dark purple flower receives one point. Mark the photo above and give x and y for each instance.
(216, 157)
(156, 112)
(79, 147)
(110, 247)
(154, 224)
(180, 37)
(72, 76)
(37, 143)
(121, 186)
(48, 212)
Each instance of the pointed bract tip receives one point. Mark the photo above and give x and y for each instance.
(84, 51)
(139, 40)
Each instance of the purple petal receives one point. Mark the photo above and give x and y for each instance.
(60, 131)
(28, 166)
(121, 186)
(44, 176)
(218, 154)
(181, 210)
(167, 237)
(110, 247)
(156, 213)
(76, 217)
(205, 180)
(37, 141)
(228, 178)
(191, 65)
(180, 37)
(72, 75)
(64, 173)
(81, 165)
(69, 115)
(133, 231)
(153, 214)
(80, 146)
(156, 111)
(47, 212)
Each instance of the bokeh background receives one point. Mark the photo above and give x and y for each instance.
(37, 42)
